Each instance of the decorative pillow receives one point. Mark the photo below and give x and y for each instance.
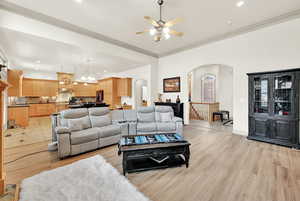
(79, 124)
(146, 117)
(100, 121)
(165, 117)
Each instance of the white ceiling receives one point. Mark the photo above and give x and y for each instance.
(32, 53)
(120, 19)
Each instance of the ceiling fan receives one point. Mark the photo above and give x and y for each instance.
(161, 29)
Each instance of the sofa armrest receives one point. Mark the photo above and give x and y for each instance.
(132, 126)
(64, 145)
(62, 130)
(177, 119)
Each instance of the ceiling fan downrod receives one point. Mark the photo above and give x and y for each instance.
(160, 3)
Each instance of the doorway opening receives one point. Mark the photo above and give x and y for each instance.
(211, 96)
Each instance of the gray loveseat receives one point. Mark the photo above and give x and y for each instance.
(149, 120)
(81, 130)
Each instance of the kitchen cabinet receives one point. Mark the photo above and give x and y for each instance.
(38, 87)
(125, 87)
(41, 109)
(15, 78)
(19, 114)
(82, 90)
(110, 91)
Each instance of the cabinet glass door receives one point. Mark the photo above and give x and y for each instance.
(261, 95)
(283, 95)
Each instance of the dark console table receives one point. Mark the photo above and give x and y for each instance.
(177, 107)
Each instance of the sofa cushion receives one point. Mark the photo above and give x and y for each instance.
(146, 127)
(146, 117)
(98, 111)
(79, 123)
(165, 126)
(74, 113)
(100, 121)
(108, 131)
(130, 115)
(165, 117)
(83, 136)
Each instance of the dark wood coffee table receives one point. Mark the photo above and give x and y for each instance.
(144, 157)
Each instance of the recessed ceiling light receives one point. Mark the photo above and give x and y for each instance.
(38, 62)
(240, 3)
(78, 1)
(105, 71)
(229, 22)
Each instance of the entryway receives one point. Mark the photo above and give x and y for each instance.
(211, 92)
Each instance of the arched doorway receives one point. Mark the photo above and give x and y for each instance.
(211, 90)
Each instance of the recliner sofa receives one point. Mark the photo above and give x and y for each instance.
(150, 120)
(82, 130)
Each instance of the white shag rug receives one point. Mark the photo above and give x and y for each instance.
(91, 179)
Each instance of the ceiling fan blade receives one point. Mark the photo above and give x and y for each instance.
(176, 33)
(152, 21)
(141, 32)
(173, 22)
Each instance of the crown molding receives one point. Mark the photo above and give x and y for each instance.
(253, 27)
(5, 5)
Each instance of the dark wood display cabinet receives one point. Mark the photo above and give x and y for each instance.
(274, 107)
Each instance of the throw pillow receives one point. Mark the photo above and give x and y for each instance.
(165, 117)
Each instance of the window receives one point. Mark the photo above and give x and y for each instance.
(208, 88)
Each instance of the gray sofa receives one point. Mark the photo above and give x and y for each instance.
(149, 120)
(82, 130)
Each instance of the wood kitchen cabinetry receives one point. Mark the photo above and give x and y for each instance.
(125, 87)
(38, 87)
(85, 90)
(19, 114)
(110, 89)
(15, 78)
(38, 110)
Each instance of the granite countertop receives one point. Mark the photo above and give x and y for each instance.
(23, 105)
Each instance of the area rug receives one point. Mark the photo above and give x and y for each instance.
(91, 179)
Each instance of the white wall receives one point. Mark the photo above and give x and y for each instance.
(272, 48)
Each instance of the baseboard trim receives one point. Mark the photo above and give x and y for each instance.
(237, 132)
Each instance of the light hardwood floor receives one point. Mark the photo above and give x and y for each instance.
(223, 167)
(37, 131)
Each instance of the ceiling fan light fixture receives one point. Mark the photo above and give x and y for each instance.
(152, 31)
(167, 36)
(166, 30)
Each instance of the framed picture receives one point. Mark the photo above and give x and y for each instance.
(172, 85)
